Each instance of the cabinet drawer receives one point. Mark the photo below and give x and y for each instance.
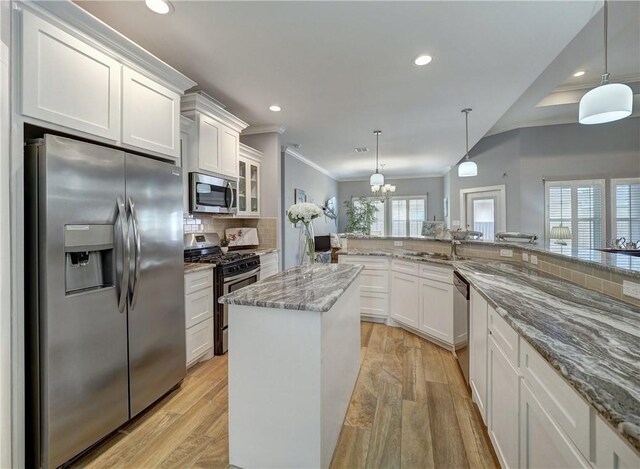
(199, 340)
(506, 338)
(557, 397)
(611, 449)
(439, 274)
(197, 281)
(405, 267)
(369, 262)
(374, 281)
(374, 304)
(271, 258)
(268, 271)
(198, 306)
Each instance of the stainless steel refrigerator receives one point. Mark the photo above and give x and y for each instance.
(105, 291)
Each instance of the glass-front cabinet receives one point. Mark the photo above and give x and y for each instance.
(248, 181)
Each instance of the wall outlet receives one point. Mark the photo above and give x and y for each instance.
(506, 252)
(525, 257)
(534, 259)
(397, 244)
(631, 289)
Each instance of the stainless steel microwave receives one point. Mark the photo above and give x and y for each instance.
(210, 194)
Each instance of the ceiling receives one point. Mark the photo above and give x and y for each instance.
(553, 98)
(339, 70)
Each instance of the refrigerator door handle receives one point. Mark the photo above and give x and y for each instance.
(124, 281)
(138, 255)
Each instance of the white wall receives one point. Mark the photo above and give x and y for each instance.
(557, 152)
(319, 188)
(5, 246)
(432, 187)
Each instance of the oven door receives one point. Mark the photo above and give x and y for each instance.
(210, 194)
(230, 285)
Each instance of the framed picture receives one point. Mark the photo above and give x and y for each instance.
(299, 196)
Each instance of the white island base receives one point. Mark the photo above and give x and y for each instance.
(291, 376)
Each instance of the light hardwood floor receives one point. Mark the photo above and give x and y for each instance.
(410, 409)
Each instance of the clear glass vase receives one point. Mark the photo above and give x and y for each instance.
(307, 244)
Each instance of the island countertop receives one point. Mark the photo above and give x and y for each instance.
(309, 288)
(589, 338)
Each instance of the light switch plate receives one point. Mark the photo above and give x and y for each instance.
(525, 257)
(397, 243)
(506, 252)
(631, 289)
(534, 259)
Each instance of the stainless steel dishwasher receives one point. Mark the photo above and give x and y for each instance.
(461, 313)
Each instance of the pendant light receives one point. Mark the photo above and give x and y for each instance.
(608, 102)
(467, 168)
(377, 179)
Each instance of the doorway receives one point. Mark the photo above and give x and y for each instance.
(483, 209)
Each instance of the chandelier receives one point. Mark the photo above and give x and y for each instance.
(378, 187)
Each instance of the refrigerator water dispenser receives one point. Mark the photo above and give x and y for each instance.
(89, 257)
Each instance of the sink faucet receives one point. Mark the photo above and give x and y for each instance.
(454, 249)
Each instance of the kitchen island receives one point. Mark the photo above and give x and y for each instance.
(294, 356)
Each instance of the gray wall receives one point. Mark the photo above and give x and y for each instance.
(558, 152)
(433, 187)
(319, 188)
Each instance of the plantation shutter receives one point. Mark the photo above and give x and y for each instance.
(627, 209)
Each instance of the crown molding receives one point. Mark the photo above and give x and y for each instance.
(202, 102)
(250, 152)
(263, 129)
(395, 178)
(298, 156)
(81, 24)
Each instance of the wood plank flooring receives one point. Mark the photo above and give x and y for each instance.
(410, 409)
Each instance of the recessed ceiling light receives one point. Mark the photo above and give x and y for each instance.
(275, 108)
(579, 74)
(422, 60)
(162, 7)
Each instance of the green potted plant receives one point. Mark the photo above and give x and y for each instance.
(361, 213)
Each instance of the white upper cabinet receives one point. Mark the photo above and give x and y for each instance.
(249, 181)
(150, 114)
(81, 77)
(215, 146)
(68, 82)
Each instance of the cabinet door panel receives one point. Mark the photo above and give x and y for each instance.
(543, 444)
(478, 334)
(405, 298)
(229, 147)
(198, 307)
(376, 281)
(612, 452)
(150, 114)
(503, 406)
(199, 340)
(374, 304)
(436, 310)
(208, 144)
(67, 82)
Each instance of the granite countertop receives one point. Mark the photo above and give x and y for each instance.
(308, 288)
(589, 338)
(190, 267)
(427, 257)
(612, 262)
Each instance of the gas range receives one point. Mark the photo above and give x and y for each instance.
(230, 263)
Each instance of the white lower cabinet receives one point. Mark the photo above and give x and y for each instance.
(543, 444)
(612, 452)
(374, 285)
(405, 298)
(502, 422)
(478, 334)
(436, 307)
(198, 309)
(269, 264)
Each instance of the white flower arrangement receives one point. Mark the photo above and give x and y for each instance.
(304, 212)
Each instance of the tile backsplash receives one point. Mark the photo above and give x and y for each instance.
(267, 227)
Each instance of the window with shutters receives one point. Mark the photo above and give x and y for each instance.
(626, 208)
(579, 206)
(399, 216)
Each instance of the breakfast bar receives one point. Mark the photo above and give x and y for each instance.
(294, 357)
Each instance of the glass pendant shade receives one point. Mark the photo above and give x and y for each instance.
(606, 103)
(467, 169)
(560, 232)
(376, 179)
